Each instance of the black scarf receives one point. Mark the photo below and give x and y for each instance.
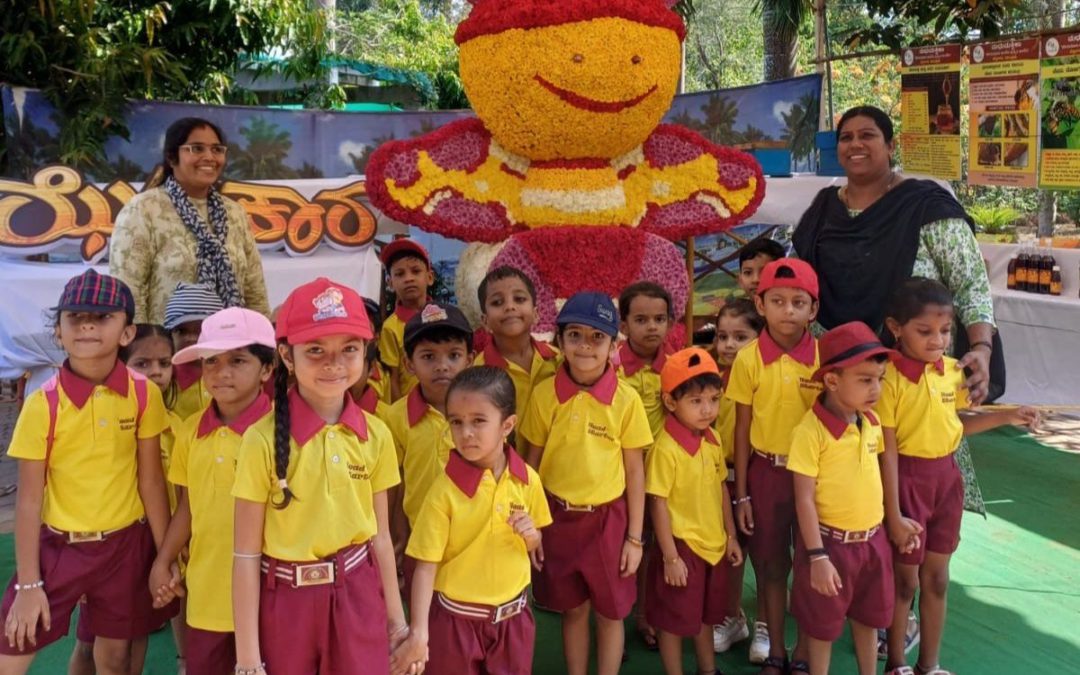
(861, 259)
(213, 265)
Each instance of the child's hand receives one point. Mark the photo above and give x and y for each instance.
(410, 656)
(824, 578)
(734, 552)
(630, 559)
(744, 518)
(524, 528)
(536, 556)
(1026, 416)
(22, 620)
(675, 572)
(904, 534)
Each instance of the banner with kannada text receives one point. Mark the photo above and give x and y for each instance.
(1059, 163)
(1002, 95)
(930, 109)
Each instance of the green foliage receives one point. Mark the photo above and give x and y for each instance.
(993, 219)
(895, 24)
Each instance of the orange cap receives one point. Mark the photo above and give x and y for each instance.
(684, 365)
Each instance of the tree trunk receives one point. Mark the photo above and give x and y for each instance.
(780, 46)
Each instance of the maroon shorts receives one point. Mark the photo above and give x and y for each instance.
(582, 550)
(326, 629)
(111, 573)
(772, 495)
(683, 610)
(460, 645)
(733, 576)
(209, 652)
(867, 595)
(932, 494)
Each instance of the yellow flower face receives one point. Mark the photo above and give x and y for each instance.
(588, 89)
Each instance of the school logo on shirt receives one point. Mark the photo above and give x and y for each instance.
(872, 446)
(600, 431)
(359, 472)
(516, 508)
(127, 423)
(948, 397)
(328, 305)
(807, 383)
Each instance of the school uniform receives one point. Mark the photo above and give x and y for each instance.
(644, 378)
(94, 538)
(480, 619)
(545, 362)
(842, 457)
(204, 464)
(423, 442)
(379, 380)
(780, 388)
(724, 428)
(583, 432)
(371, 403)
(191, 395)
(920, 401)
(688, 471)
(392, 346)
(321, 602)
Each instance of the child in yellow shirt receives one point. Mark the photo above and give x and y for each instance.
(409, 274)
(646, 317)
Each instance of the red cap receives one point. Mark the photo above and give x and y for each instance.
(847, 345)
(684, 365)
(404, 244)
(495, 16)
(802, 276)
(320, 308)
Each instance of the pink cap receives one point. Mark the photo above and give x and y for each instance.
(226, 330)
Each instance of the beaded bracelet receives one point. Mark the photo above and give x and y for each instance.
(40, 583)
(253, 670)
(743, 500)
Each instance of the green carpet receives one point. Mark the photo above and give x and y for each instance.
(1014, 603)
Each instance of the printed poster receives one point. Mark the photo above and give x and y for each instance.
(1002, 95)
(930, 110)
(1059, 164)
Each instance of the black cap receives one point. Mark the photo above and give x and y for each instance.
(435, 316)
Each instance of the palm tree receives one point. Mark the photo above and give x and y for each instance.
(720, 115)
(752, 134)
(801, 124)
(780, 22)
(265, 154)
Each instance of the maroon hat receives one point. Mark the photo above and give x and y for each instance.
(403, 245)
(802, 276)
(320, 308)
(847, 345)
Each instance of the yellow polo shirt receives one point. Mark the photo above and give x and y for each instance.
(191, 396)
(379, 380)
(583, 433)
(463, 528)
(423, 442)
(392, 346)
(779, 387)
(920, 401)
(92, 473)
(843, 457)
(644, 378)
(688, 471)
(725, 425)
(371, 403)
(545, 361)
(205, 464)
(335, 470)
(168, 442)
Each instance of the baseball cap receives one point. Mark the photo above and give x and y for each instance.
(228, 329)
(191, 302)
(319, 308)
(847, 345)
(93, 292)
(435, 316)
(802, 276)
(590, 308)
(684, 365)
(404, 245)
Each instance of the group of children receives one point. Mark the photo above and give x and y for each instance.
(305, 468)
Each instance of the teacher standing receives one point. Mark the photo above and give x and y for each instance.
(181, 229)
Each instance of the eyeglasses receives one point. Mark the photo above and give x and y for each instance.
(199, 149)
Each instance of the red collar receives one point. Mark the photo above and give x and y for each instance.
(209, 422)
(304, 423)
(631, 362)
(404, 313)
(369, 400)
(467, 476)
(685, 437)
(187, 374)
(375, 372)
(603, 390)
(492, 356)
(724, 375)
(836, 426)
(913, 369)
(416, 406)
(78, 389)
(805, 352)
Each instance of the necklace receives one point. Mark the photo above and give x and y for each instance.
(842, 192)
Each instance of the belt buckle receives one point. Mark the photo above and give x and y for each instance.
(574, 507)
(856, 537)
(83, 537)
(315, 574)
(779, 460)
(509, 610)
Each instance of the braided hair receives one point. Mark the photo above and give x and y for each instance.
(281, 434)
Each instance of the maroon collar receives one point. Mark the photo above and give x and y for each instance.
(369, 400)
(492, 356)
(467, 476)
(724, 375)
(187, 374)
(603, 390)
(805, 352)
(685, 437)
(78, 389)
(631, 362)
(913, 369)
(416, 406)
(209, 422)
(836, 426)
(304, 423)
(375, 372)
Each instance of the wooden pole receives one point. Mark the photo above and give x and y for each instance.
(690, 297)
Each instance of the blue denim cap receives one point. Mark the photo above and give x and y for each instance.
(593, 309)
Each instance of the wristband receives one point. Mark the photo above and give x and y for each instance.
(635, 541)
(982, 343)
(817, 551)
(40, 583)
(820, 557)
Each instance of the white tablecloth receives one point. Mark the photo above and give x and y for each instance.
(1041, 333)
(30, 288)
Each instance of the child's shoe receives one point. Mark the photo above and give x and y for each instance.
(734, 629)
(759, 648)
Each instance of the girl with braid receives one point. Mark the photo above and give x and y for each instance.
(314, 580)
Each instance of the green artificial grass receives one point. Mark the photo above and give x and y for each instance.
(1014, 606)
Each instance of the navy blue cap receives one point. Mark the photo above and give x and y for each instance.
(590, 308)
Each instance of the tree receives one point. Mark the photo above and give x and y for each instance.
(780, 23)
(895, 24)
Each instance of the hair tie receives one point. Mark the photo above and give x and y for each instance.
(283, 484)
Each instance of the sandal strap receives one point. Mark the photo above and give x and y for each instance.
(799, 667)
(933, 670)
(778, 662)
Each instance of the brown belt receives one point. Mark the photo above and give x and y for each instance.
(84, 537)
(492, 613)
(567, 506)
(317, 573)
(775, 460)
(848, 536)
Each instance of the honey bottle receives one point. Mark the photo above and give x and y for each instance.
(1055, 281)
(1011, 284)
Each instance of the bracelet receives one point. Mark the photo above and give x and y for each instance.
(247, 556)
(252, 670)
(403, 628)
(40, 583)
(816, 551)
(820, 557)
(640, 543)
(982, 343)
(672, 561)
(743, 500)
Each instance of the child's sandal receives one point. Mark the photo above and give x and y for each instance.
(773, 665)
(933, 670)
(901, 670)
(799, 667)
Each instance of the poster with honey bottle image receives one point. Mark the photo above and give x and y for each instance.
(930, 110)
(1059, 112)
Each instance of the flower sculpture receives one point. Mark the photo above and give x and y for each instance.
(566, 161)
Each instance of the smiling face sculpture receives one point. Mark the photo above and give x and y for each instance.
(567, 161)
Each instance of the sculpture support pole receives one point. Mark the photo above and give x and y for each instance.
(690, 297)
